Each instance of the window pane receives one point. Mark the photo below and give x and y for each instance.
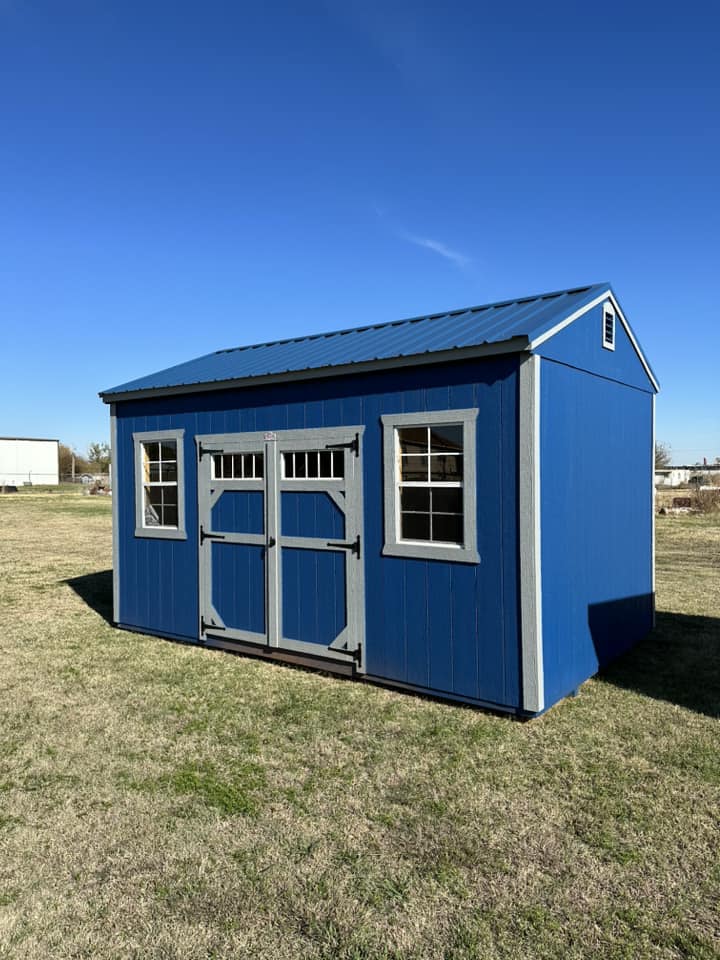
(415, 498)
(338, 470)
(312, 464)
(300, 465)
(169, 471)
(259, 458)
(152, 474)
(447, 527)
(325, 463)
(217, 467)
(170, 516)
(288, 466)
(414, 468)
(153, 506)
(415, 526)
(152, 451)
(446, 438)
(169, 496)
(445, 469)
(227, 466)
(413, 439)
(447, 500)
(168, 450)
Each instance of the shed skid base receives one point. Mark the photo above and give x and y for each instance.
(276, 653)
(447, 697)
(329, 666)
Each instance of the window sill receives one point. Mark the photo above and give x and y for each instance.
(433, 551)
(160, 533)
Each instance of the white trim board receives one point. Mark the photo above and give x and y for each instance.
(607, 295)
(533, 682)
(115, 494)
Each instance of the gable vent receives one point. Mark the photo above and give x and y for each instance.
(608, 326)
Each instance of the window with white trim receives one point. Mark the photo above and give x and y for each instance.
(429, 475)
(238, 466)
(159, 495)
(608, 315)
(313, 465)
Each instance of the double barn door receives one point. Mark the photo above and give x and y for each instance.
(281, 541)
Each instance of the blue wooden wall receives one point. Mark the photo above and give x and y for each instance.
(596, 502)
(446, 627)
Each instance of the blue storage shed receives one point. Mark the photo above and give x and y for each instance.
(458, 504)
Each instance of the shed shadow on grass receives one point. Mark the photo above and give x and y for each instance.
(96, 590)
(678, 661)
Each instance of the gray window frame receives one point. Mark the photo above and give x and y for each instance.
(159, 533)
(394, 546)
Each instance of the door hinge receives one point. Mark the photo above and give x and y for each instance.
(203, 450)
(205, 626)
(209, 536)
(352, 545)
(353, 445)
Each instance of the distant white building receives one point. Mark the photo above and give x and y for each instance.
(677, 476)
(27, 460)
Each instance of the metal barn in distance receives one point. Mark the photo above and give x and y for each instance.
(416, 503)
(25, 461)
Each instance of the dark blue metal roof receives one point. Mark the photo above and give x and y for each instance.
(512, 322)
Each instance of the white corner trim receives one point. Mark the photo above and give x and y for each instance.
(607, 295)
(652, 505)
(533, 684)
(114, 493)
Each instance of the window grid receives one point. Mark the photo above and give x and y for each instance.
(238, 466)
(430, 483)
(160, 483)
(313, 465)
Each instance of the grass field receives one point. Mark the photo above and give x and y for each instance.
(164, 801)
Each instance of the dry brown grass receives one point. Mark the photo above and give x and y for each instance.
(164, 801)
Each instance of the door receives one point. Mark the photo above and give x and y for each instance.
(281, 562)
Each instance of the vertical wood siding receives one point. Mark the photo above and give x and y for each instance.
(446, 627)
(596, 500)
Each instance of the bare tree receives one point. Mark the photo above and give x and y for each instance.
(662, 455)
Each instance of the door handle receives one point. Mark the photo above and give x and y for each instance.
(352, 545)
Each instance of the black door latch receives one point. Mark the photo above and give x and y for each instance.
(352, 545)
(209, 536)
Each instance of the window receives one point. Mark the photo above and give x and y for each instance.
(608, 326)
(238, 466)
(159, 494)
(313, 465)
(429, 476)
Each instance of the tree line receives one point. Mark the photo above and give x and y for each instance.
(95, 460)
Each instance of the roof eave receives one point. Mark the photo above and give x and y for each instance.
(513, 345)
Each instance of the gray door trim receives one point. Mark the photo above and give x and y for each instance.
(209, 492)
(347, 494)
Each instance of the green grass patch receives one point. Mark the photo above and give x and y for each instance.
(160, 800)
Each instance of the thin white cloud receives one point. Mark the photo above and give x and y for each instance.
(427, 243)
(459, 259)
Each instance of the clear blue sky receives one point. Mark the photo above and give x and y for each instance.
(178, 177)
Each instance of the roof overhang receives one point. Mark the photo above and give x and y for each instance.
(513, 345)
